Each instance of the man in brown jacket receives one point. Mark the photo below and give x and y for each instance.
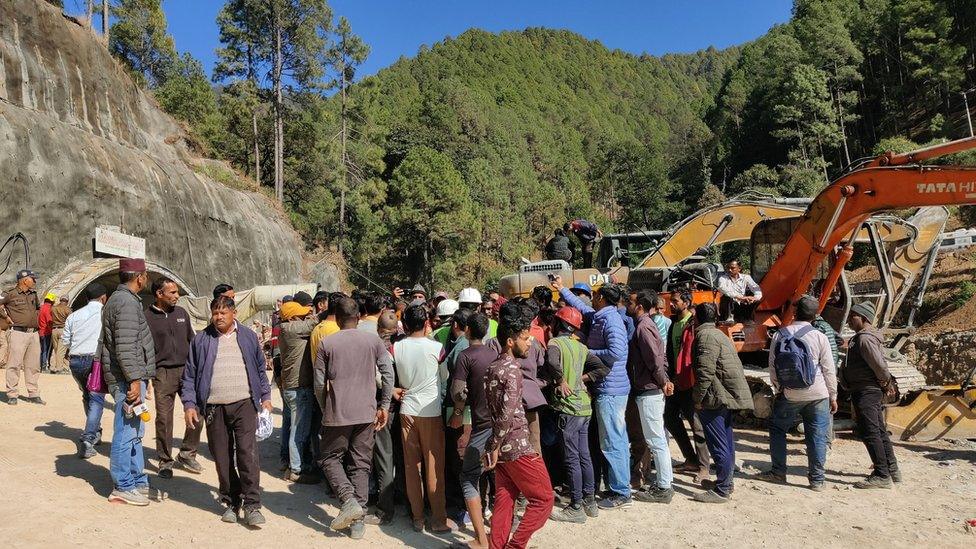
(866, 377)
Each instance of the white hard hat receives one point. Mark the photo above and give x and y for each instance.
(447, 307)
(470, 295)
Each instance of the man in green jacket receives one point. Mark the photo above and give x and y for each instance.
(720, 388)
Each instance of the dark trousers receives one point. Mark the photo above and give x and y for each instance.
(599, 461)
(45, 351)
(873, 430)
(526, 476)
(234, 446)
(576, 449)
(166, 385)
(384, 468)
(721, 443)
(456, 443)
(640, 453)
(677, 408)
(347, 452)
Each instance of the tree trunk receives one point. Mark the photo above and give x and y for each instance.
(345, 160)
(105, 21)
(279, 139)
(843, 130)
(89, 12)
(257, 153)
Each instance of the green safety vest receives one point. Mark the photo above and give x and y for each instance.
(572, 357)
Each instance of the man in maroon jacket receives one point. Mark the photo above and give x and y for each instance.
(647, 367)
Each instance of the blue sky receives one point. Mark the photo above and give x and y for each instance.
(395, 28)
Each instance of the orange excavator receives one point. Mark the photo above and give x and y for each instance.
(793, 257)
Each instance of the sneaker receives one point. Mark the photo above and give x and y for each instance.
(253, 517)
(873, 482)
(166, 472)
(615, 501)
(302, 478)
(350, 512)
(590, 507)
(569, 514)
(86, 450)
(130, 497)
(378, 518)
(655, 494)
(190, 464)
(710, 496)
(36, 400)
(357, 529)
(896, 476)
(12, 401)
(230, 515)
(772, 476)
(817, 486)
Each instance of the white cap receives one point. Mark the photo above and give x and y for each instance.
(470, 295)
(447, 307)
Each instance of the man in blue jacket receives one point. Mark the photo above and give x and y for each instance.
(608, 341)
(225, 385)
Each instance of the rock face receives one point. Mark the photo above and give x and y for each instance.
(81, 145)
(943, 358)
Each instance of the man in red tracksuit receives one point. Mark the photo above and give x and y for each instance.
(519, 469)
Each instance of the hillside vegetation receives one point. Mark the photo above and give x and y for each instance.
(448, 166)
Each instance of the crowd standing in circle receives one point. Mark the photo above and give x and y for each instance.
(490, 414)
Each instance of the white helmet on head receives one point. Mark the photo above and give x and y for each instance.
(470, 295)
(447, 307)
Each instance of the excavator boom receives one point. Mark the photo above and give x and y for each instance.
(839, 210)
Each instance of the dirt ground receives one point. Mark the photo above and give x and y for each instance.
(52, 498)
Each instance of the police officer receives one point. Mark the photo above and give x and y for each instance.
(21, 307)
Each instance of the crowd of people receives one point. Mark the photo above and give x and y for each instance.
(501, 414)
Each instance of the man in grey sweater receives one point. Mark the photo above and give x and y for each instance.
(128, 361)
(345, 387)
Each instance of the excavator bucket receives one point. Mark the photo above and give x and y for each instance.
(935, 413)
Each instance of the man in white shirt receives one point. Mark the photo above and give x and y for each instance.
(814, 404)
(740, 291)
(417, 360)
(80, 336)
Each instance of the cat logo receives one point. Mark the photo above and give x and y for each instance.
(968, 187)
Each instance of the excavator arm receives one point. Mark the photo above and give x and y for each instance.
(887, 183)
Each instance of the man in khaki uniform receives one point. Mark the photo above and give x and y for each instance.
(59, 354)
(24, 344)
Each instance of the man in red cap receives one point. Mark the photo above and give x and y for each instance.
(128, 362)
(24, 351)
(570, 366)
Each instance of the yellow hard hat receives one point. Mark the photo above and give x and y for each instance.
(51, 297)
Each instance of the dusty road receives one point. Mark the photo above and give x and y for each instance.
(53, 499)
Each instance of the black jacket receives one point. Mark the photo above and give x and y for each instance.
(559, 247)
(172, 334)
(866, 366)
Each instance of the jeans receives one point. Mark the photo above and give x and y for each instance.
(721, 443)
(127, 464)
(873, 430)
(93, 403)
(651, 410)
(576, 451)
(816, 423)
(680, 405)
(612, 423)
(296, 425)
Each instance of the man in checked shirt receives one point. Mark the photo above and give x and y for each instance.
(518, 468)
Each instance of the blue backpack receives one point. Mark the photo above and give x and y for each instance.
(795, 366)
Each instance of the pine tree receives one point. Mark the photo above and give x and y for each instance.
(139, 39)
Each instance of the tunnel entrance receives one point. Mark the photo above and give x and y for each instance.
(71, 282)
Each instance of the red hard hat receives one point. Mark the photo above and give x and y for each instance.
(571, 316)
